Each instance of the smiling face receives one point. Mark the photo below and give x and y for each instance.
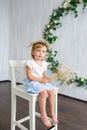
(39, 52)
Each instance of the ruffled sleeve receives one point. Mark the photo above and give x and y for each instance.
(29, 64)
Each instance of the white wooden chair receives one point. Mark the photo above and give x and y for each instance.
(18, 66)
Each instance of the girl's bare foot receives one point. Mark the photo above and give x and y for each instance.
(46, 121)
(54, 119)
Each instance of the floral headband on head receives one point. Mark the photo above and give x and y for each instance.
(40, 41)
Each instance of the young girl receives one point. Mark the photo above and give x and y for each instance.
(37, 82)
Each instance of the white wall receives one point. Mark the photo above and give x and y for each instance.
(27, 21)
(28, 18)
(4, 39)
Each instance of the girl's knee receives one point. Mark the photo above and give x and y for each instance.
(43, 93)
(51, 92)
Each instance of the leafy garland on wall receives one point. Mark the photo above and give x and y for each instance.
(61, 72)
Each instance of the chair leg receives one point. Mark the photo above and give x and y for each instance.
(56, 110)
(32, 104)
(13, 111)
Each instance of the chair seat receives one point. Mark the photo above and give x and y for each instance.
(20, 91)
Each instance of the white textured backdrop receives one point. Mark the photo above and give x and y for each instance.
(4, 39)
(25, 21)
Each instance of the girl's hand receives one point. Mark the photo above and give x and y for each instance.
(45, 80)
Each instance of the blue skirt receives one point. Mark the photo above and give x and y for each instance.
(35, 87)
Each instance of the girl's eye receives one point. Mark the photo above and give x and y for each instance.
(44, 51)
(38, 50)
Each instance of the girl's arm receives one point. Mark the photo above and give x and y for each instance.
(30, 76)
(34, 78)
(44, 76)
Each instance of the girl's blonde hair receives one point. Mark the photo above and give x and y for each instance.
(38, 45)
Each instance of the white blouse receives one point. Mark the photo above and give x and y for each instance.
(37, 70)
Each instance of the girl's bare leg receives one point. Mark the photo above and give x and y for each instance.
(42, 104)
(51, 99)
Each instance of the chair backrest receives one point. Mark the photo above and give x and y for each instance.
(17, 71)
(17, 63)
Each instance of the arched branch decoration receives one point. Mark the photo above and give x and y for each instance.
(61, 72)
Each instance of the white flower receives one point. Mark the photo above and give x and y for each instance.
(66, 4)
(54, 14)
(55, 21)
(69, 1)
(82, 79)
(53, 53)
(48, 26)
(51, 56)
(51, 31)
